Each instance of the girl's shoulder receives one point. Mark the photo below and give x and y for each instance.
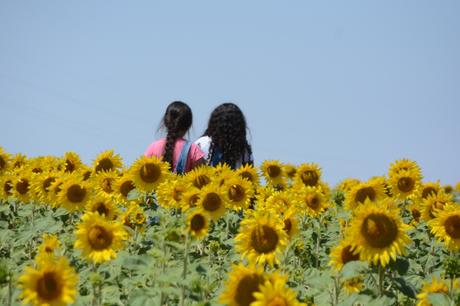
(203, 140)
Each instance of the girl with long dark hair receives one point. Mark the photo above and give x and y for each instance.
(224, 140)
(181, 154)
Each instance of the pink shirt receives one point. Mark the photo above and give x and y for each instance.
(157, 149)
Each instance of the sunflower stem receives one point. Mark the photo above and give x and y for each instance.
(10, 289)
(381, 279)
(184, 271)
(318, 240)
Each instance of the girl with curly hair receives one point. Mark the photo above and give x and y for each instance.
(181, 154)
(224, 141)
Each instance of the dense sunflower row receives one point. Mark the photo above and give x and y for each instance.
(262, 236)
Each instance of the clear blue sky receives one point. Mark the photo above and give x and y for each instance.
(350, 85)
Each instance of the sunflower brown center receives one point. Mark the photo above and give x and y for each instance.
(49, 286)
(102, 209)
(201, 180)
(236, 193)
(47, 183)
(312, 201)
(452, 226)
(448, 189)
(273, 171)
(37, 170)
(49, 249)
(406, 184)
(212, 202)
(7, 186)
(86, 175)
(99, 238)
(246, 287)
(104, 164)
(428, 191)
(287, 226)
(22, 186)
(150, 172)
(416, 214)
(247, 175)
(347, 255)
(197, 223)
(309, 177)
(76, 193)
(177, 194)
(264, 239)
(365, 193)
(107, 185)
(2, 163)
(193, 200)
(69, 166)
(379, 230)
(126, 187)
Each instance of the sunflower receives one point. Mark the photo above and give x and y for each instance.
(405, 184)
(4, 160)
(222, 172)
(434, 203)
(261, 238)
(170, 193)
(241, 285)
(250, 173)
(405, 165)
(347, 184)
(22, 184)
(71, 161)
(429, 188)
(74, 194)
(122, 186)
(53, 283)
(353, 284)
(47, 250)
(377, 232)
(273, 172)
(198, 223)
(280, 201)
(98, 238)
(311, 201)
(308, 174)
(18, 161)
(107, 161)
(213, 200)
(41, 185)
(190, 198)
(6, 186)
(436, 286)
(290, 170)
(415, 211)
(457, 187)
(446, 226)
(104, 206)
(200, 176)
(291, 224)
(448, 188)
(239, 192)
(342, 254)
(148, 172)
(104, 182)
(371, 190)
(275, 292)
(134, 217)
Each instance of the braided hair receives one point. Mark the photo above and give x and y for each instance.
(227, 129)
(177, 121)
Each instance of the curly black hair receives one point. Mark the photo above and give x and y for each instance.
(227, 129)
(177, 121)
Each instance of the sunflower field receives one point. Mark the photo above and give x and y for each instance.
(277, 234)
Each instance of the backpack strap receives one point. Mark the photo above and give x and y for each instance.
(182, 162)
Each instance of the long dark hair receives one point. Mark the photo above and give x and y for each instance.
(227, 129)
(177, 121)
